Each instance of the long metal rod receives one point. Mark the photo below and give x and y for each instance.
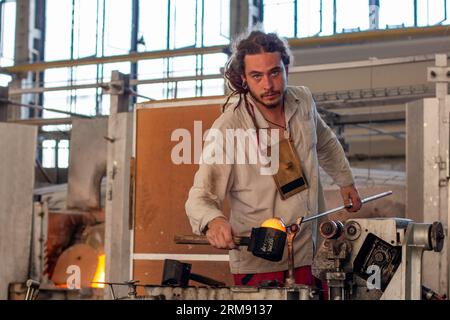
(194, 239)
(365, 200)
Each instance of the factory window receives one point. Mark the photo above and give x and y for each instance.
(63, 154)
(49, 153)
(55, 153)
(84, 28)
(306, 18)
(7, 36)
(187, 69)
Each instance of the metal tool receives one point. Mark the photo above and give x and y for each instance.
(292, 231)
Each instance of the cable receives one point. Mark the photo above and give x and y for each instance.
(134, 93)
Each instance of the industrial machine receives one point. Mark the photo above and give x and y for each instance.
(376, 258)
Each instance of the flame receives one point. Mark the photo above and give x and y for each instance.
(99, 273)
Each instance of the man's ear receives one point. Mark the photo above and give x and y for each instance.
(244, 81)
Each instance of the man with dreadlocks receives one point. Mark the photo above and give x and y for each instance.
(257, 73)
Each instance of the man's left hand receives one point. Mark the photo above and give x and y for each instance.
(351, 197)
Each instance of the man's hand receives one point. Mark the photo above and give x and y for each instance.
(219, 234)
(351, 197)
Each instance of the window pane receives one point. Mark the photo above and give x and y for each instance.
(85, 27)
(58, 20)
(430, 12)
(7, 36)
(216, 22)
(213, 87)
(151, 69)
(58, 100)
(153, 24)
(48, 153)
(182, 23)
(396, 13)
(5, 80)
(63, 154)
(308, 18)
(186, 89)
(351, 15)
(85, 102)
(57, 77)
(279, 17)
(154, 90)
(327, 18)
(183, 66)
(105, 106)
(212, 63)
(117, 27)
(85, 74)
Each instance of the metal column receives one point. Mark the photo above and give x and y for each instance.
(428, 169)
(118, 203)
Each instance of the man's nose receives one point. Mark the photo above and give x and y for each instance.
(267, 82)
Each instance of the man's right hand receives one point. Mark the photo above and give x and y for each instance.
(219, 234)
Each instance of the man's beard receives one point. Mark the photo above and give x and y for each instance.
(268, 106)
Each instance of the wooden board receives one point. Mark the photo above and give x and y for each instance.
(161, 187)
(17, 158)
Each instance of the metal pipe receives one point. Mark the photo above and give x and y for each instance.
(334, 16)
(365, 200)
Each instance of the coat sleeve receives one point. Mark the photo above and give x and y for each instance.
(330, 153)
(212, 181)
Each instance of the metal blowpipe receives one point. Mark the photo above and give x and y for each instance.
(365, 200)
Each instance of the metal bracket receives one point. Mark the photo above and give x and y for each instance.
(116, 87)
(438, 74)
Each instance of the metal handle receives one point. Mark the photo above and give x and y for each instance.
(193, 239)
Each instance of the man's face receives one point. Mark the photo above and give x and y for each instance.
(266, 76)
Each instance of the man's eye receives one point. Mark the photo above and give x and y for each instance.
(257, 76)
(275, 73)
